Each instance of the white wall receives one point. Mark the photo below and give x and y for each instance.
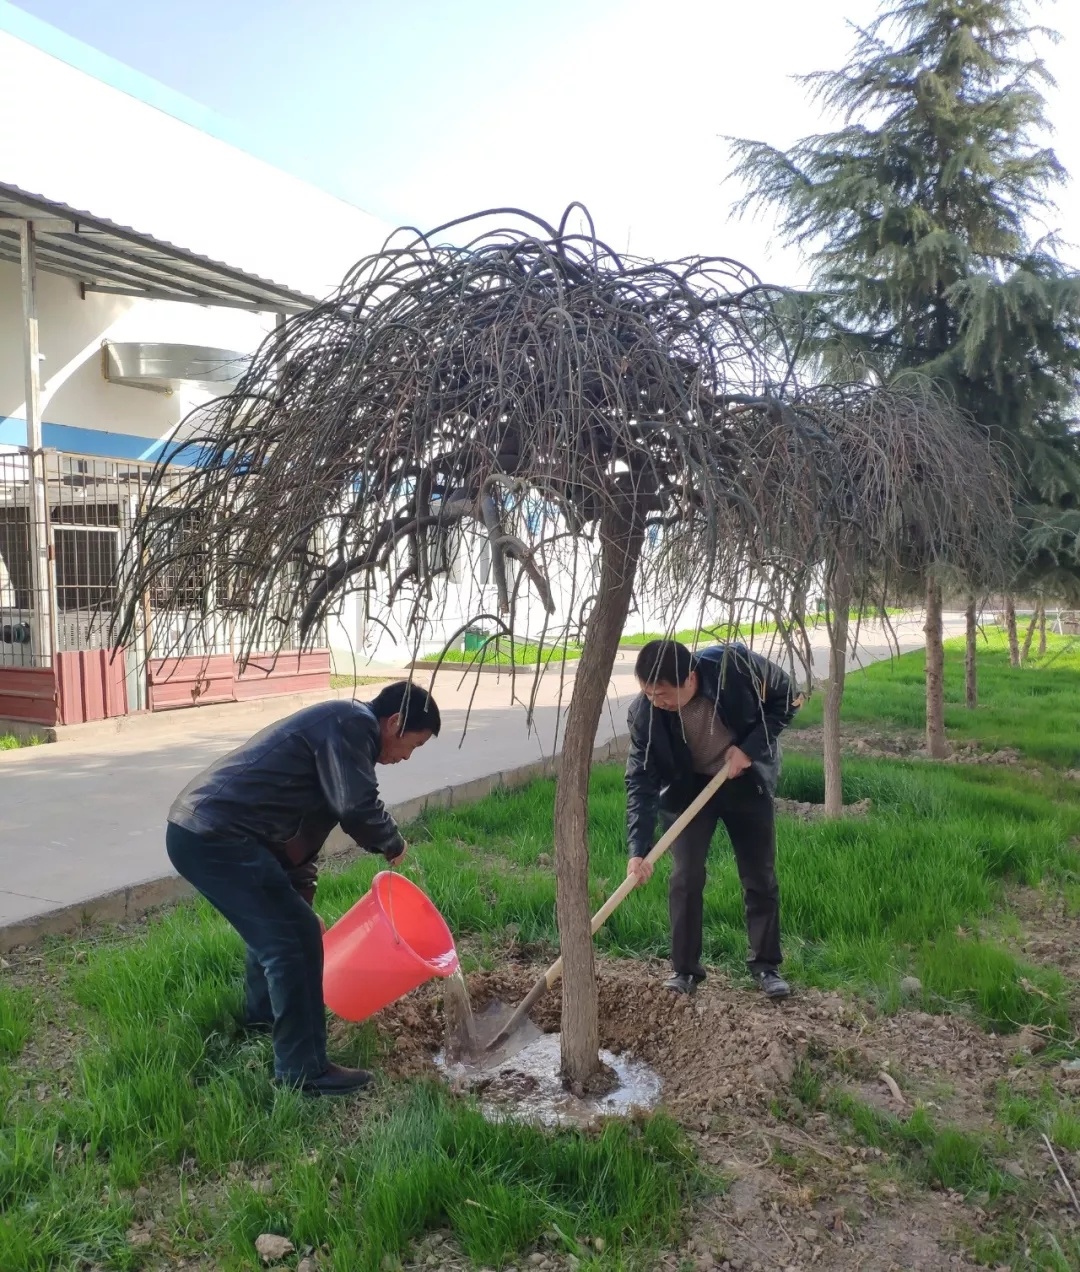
(73, 139)
(75, 392)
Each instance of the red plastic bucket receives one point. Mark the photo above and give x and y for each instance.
(391, 941)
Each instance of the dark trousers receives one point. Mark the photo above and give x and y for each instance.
(748, 814)
(241, 879)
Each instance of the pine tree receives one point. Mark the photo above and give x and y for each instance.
(924, 214)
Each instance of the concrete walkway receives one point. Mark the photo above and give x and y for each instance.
(84, 818)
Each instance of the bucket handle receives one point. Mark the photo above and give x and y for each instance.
(390, 905)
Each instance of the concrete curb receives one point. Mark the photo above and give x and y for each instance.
(183, 719)
(131, 902)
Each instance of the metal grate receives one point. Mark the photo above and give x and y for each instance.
(19, 603)
(90, 504)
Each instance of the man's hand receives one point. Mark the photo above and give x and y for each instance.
(639, 869)
(737, 761)
(393, 861)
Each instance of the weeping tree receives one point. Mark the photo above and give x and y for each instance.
(915, 489)
(601, 422)
(922, 210)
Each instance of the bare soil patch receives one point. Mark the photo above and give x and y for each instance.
(798, 1195)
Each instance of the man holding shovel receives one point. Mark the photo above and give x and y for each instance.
(246, 833)
(697, 714)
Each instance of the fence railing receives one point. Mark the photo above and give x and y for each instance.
(90, 504)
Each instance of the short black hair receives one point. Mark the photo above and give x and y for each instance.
(416, 706)
(664, 662)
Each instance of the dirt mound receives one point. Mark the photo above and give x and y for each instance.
(731, 1062)
(727, 1047)
(804, 811)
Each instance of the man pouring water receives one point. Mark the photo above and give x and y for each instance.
(247, 832)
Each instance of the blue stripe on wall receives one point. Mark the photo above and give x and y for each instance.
(92, 441)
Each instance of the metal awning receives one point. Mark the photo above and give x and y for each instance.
(105, 257)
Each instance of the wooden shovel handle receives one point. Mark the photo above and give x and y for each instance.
(613, 902)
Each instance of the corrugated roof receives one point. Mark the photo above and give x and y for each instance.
(105, 257)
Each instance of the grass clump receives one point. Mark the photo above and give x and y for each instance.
(16, 741)
(16, 1020)
(942, 1157)
(1044, 1112)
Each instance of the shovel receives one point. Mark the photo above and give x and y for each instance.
(608, 909)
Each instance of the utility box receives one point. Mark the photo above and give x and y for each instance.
(474, 639)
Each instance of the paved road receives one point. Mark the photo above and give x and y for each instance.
(84, 818)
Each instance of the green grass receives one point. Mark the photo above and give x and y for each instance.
(16, 1011)
(13, 741)
(720, 632)
(529, 653)
(865, 901)
(1033, 708)
(498, 653)
(1046, 1112)
(355, 682)
(161, 1092)
(162, 1085)
(940, 1157)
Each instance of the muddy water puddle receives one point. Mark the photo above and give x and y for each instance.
(521, 1081)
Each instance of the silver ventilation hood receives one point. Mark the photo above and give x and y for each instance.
(162, 367)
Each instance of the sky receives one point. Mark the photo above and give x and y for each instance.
(422, 110)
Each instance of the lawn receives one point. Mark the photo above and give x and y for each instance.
(141, 1133)
(1033, 708)
(500, 653)
(718, 633)
(526, 653)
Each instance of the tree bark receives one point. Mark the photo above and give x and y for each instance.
(1042, 627)
(839, 587)
(1025, 653)
(971, 672)
(1010, 627)
(936, 744)
(620, 551)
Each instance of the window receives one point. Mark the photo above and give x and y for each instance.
(15, 579)
(183, 583)
(85, 565)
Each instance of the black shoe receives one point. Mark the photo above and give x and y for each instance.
(772, 984)
(336, 1080)
(682, 983)
(240, 1027)
(698, 973)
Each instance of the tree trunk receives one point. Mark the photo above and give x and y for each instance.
(971, 673)
(1010, 627)
(1025, 653)
(1042, 627)
(840, 607)
(936, 745)
(620, 550)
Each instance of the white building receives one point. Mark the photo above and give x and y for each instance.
(136, 249)
(143, 256)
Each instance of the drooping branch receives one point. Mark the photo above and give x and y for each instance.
(459, 393)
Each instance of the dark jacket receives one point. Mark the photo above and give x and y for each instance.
(291, 784)
(753, 697)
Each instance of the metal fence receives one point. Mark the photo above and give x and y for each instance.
(85, 519)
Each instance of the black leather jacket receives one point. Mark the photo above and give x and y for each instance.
(291, 784)
(753, 697)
